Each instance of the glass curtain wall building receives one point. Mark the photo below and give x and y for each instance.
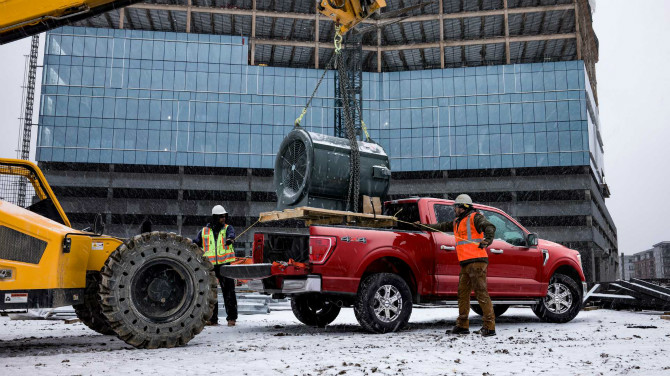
(162, 125)
(156, 98)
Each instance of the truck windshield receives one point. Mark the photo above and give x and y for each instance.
(406, 212)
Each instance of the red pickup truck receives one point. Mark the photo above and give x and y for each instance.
(381, 273)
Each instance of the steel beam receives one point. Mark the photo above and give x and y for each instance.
(253, 33)
(400, 47)
(189, 9)
(507, 49)
(577, 32)
(122, 17)
(441, 34)
(309, 16)
(316, 39)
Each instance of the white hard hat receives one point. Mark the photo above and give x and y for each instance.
(219, 210)
(463, 199)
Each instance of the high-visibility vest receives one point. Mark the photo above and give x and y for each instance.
(216, 250)
(468, 239)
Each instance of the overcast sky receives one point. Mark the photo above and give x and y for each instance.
(633, 84)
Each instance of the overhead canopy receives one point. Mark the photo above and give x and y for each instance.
(443, 34)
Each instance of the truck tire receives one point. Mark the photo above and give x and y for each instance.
(157, 290)
(563, 301)
(383, 303)
(90, 311)
(498, 309)
(314, 309)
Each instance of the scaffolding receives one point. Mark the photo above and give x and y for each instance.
(26, 122)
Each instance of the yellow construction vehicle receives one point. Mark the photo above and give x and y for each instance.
(153, 290)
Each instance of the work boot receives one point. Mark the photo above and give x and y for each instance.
(212, 323)
(485, 332)
(231, 322)
(458, 330)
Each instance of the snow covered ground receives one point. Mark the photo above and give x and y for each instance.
(595, 343)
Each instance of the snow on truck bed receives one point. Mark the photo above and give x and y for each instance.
(596, 342)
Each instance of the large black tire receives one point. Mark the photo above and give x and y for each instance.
(498, 309)
(157, 290)
(387, 311)
(90, 311)
(314, 309)
(566, 307)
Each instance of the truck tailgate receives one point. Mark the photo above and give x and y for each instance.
(265, 270)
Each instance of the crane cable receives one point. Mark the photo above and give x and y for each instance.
(338, 48)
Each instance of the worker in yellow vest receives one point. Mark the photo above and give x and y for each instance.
(473, 233)
(216, 240)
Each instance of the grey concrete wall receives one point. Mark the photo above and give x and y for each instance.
(596, 240)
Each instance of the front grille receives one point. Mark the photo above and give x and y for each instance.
(17, 246)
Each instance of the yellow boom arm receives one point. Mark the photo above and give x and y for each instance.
(22, 18)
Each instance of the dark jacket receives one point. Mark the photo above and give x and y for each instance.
(230, 234)
(481, 225)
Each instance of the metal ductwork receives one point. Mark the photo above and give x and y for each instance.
(313, 169)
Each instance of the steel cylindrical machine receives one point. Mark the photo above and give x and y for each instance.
(313, 169)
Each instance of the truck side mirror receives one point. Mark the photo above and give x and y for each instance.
(531, 239)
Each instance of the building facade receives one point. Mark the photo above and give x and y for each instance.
(653, 263)
(627, 267)
(141, 118)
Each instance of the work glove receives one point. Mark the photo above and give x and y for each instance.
(483, 245)
(229, 241)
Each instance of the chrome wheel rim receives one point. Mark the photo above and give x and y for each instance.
(387, 303)
(558, 299)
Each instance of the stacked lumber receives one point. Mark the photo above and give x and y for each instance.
(317, 216)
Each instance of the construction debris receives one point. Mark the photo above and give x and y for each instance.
(633, 294)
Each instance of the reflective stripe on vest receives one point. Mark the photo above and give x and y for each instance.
(216, 250)
(468, 239)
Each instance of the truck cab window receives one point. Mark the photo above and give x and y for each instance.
(444, 213)
(506, 230)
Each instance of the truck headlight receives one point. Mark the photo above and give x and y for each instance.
(579, 260)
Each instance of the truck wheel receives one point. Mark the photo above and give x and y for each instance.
(157, 290)
(90, 311)
(383, 303)
(498, 309)
(314, 310)
(563, 300)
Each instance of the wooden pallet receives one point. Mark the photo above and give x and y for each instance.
(317, 216)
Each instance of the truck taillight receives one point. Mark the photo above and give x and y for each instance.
(320, 247)
(257, 252)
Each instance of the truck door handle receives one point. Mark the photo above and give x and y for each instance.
(493, 250)
(447, 248)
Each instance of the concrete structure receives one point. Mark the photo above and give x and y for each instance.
(653, 263)
(163, 110)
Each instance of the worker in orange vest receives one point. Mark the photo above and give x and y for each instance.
(473, 234)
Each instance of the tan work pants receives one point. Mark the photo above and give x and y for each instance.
(473, 276)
